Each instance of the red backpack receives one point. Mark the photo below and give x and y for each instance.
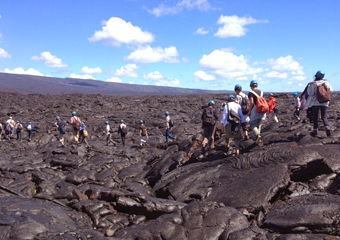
(261, 103)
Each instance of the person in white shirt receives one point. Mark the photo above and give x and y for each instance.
(232, 130)
(10, 121)
(245, 118)
(18, 127)
(297, 106)
(168, 127)
(108, 134)
(122, 130)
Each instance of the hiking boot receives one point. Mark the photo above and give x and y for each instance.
(328, 132)
(314, 133)
(258, 140)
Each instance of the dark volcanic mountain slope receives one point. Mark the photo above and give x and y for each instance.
(287, 189)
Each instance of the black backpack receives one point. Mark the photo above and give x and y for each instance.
(209, 118)
(77, 124)
(61, 125)
(245, 105)
(123, 129)
(171, 123)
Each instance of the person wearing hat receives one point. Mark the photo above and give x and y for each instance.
(319, 102)
(18, 127)
(242, 98)
(297, 106)
(255, 117)
(61, 125)
(209, 118)
(143, 133)
(233, 129)
(29, 129)
(11, 122)
(76, 125)
(168, 127)
(108, 134)
(83, 133)
(122, 130)
(271, 105)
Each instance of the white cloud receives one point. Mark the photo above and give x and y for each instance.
(128, 70)
(87, 70)
(202, 76)
(86, 76)
(201, 31)
(289, 83)
(275, 74)
(50, 60)
(168, 82)
(234, 26)
(244, 78)
(202, 5)
(116, 32)
(298, 72)
(219, 84)
(20, 70)
(154, 55)
(227, 65)
(228, 49)
(301, 85)
(3, 53)
(300, 78)
(186, 60)
(114, 79)
(283, 64)
(132, 82)
(153, 76)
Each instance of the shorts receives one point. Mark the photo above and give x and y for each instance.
(245, 126)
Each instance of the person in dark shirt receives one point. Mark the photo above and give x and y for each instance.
(208, 120)
(143, 133)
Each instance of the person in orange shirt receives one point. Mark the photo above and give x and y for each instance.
(271, 104)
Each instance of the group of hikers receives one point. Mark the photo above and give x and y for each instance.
(240, 114)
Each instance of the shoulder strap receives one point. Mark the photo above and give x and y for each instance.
(256, 93)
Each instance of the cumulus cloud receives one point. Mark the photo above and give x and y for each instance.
(227, 65)
(87, 70)
(50, 60)
(4, 54)
(160, 80)
(283, 64)
(153, 76)
(186, 60)
(133, 82)
(234, 26)
(114, 79)
(20, 70)
(154, 55)
(277, 75)
(86, 76)
(201, 31)
(128, 70)
(219, 84)
(299, 78)
(116, 32)
(202, 5)
(202, 76)
(298, 72)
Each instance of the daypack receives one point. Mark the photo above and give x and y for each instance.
(76, 124)
(19, 127)
(245, 105)
(171, 123)
(261, 103)
(62, 128)
(8, 128)
(29, 127)
(323, 94)
(123, 129)
(209, 118)
(233, 119)
(0, 127)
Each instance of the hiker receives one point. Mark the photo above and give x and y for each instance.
(232, 122)
(8, 130)
(108, 134)
(297, 106)
(0, 131)
(76, 125)
(318, 98)
(61, 125)
(304, 95)
(143, 133)
(168, 127)
(243, 100)
(222, 107)
(29, 129)
(83, 133)
(122, 130)
(256, 115)
(10, 121)
(208, 121)
(18, 127)
(272, 108)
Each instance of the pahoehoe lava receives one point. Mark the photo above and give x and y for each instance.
(287, 189)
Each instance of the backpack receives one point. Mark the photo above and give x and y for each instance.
(245, 105)
(123, 129)
(62, 128)
(8, 128)
(261, 103)
(77, 124)
(233, 119)
(29, 127)
(19, 128)
(0, 127)
(323, 94)
(209, 118)
(171, 123)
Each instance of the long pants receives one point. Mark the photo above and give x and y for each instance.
(75, 135)
(122, 137)
(315, 110)
(61, 137)
(271, 116)
(256, 127)
(297, 114)
(208, 135)
(236, 141)
(18, 135)
(108, 139)
(82, 138)
(310, 114)
(29, 132)
(168, 135)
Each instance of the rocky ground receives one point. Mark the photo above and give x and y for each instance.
(287, 189)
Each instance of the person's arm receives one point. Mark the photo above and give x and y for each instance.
(216, 115)
(140, 132)
(251, 100)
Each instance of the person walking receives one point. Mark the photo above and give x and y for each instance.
(233, 130)
(122, 130)
(243, 100)
(0, 131)
(319, 91)
(108, 134)
(10, 121)
(271, 105)
(297, 106)
(304, 95)
(143, 133)
(18, 127)
(76, 125)
(255, 117)
(168, 127)
(208, 121)
(29, 129)
(61, 125)
(83, 133)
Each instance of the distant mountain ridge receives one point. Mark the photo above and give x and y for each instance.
(29, 84)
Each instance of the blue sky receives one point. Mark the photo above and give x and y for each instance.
(204, 44)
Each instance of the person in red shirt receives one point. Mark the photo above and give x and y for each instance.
(271, 104)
